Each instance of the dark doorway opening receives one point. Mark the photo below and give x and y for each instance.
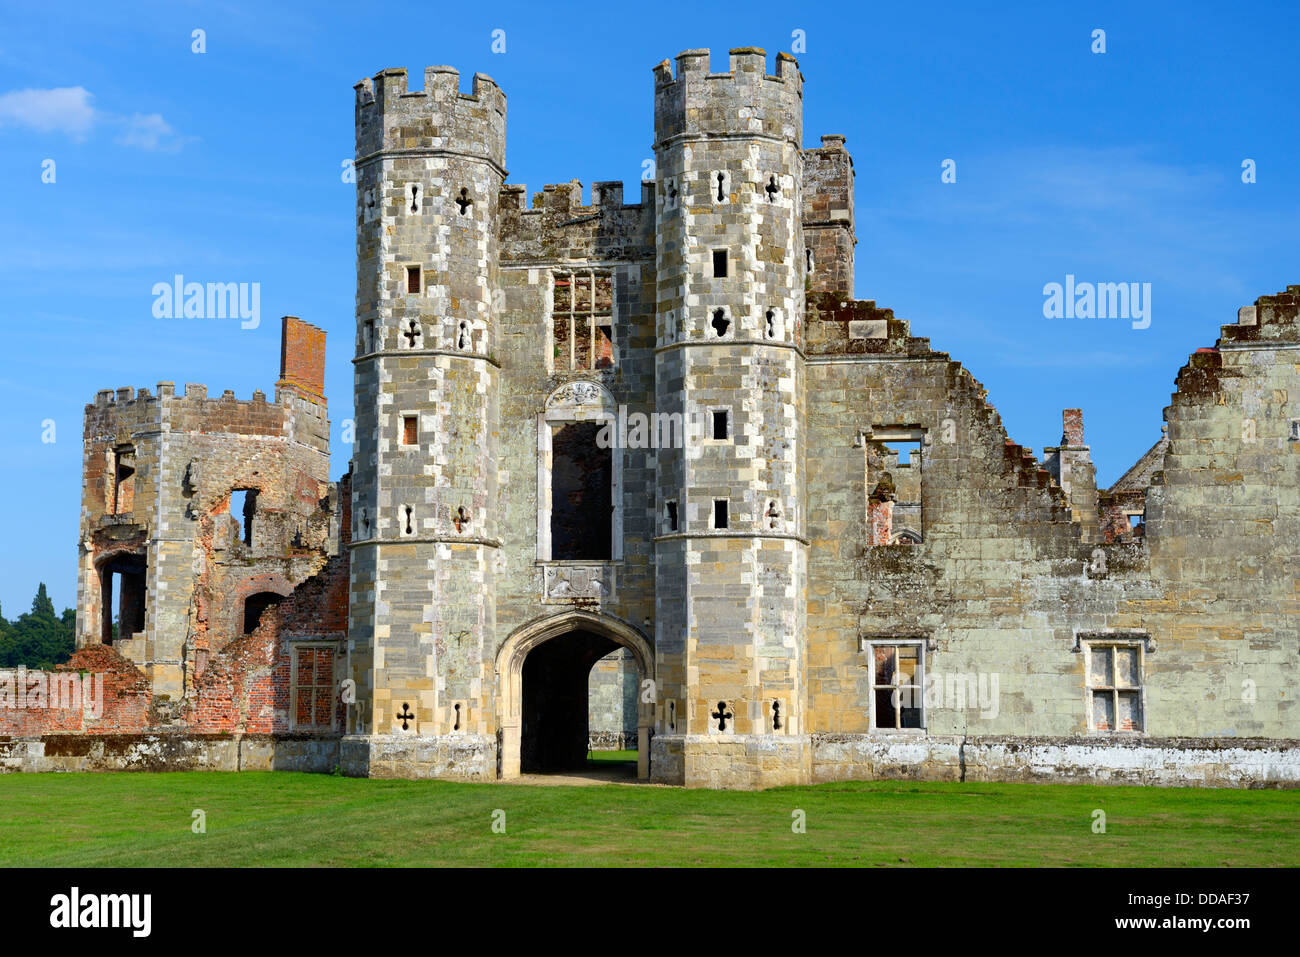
(554, 711)
(124, 577)
(581, 497)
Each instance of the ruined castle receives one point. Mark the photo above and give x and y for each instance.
(661, 439)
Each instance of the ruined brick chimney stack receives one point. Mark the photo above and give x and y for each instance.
(302, 358)
(1072, 467)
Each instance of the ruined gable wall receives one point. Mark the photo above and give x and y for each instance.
(1003, 581)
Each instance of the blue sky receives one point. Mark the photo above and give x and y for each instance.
(225, 167)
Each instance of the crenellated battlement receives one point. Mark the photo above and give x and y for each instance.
(129, 410)
(695, 102)
(392, 118)
(298, 411)
(606, 229)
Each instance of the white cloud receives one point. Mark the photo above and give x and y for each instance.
(149, 132)
(69, 110)
(64, 109)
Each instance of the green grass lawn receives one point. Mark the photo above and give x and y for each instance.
(605, 758)
(281, 818)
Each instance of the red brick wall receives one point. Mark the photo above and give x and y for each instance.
(125, 702)
(302, 356)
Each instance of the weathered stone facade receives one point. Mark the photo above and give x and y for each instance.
(667, 430)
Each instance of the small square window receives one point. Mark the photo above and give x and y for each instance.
(720, 513)
(410, 430)
(720, 263)
(720, 427)
(413, 279)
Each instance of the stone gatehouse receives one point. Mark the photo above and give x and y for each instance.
(665, 430)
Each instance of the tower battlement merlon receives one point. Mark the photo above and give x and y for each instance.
(440, 118)
(745, 100)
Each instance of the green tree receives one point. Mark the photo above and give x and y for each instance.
(39, 638)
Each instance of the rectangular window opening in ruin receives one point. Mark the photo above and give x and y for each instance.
(720, 513)
(368, 337)
(897, 683)
(410, 430)
(123, 480)
(582, 502)
(895, 487)
(1114, 685)
(721, 429)
(582, 321)
(413, 280)
(243, 508)
(123, 597)
(720, 264)
(672, 516)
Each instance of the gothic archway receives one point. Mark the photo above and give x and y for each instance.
(574, 636)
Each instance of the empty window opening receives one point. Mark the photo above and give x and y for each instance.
(720, 263)
(672, 516)
(896, 480)
(582, 320)
(368, 337)
(720, 322)
(413, 280)
(243, 507)
(581, 494)
(365, 523)
(808, 259)
(769, 330)
(720, 513)
(410, 430)
(464, 202)
(254, 605)
(772, 189)
(776, 716)
(462, 518)
(896, 685)
(123, 480)
(123, 586)
(721, 429)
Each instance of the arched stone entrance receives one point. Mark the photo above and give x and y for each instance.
(566, 647)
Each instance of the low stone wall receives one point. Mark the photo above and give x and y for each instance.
(611, 741)
(461, 756)
(739, 761)
(169, 752)
(1171, 762)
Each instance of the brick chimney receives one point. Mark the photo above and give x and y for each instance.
(302, 358)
